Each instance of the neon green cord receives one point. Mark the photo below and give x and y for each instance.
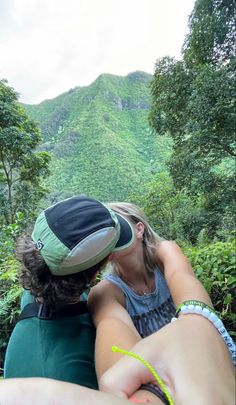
(150, 368)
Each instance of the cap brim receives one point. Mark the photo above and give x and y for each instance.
(127, 234)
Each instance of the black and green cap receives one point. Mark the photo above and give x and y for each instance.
(77, 233)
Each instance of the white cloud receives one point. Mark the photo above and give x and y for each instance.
(49, 46)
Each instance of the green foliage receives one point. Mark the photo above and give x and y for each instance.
(173, 213)
(170, 92)
(20, 166)
(215, 266)
(100, 140)
(212, 32)
(8, 234)
(198, 111)
(10, 290)
(193, 100)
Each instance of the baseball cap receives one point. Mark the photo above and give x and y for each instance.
(79, 232)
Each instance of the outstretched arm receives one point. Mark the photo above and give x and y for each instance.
(113, 323)
(182, 282)
(45, 391)
(191, 358)
(114, 328)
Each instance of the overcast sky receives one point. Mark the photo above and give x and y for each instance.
(50, 46)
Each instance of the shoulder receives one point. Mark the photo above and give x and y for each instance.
(107, 301)
(168, 249)
(104, 292)
(171, 259)
(168, 245)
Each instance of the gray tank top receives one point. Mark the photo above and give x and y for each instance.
(149, 312)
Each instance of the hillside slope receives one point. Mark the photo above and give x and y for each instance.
(100, 139)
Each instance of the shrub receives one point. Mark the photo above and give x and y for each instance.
(10, 291)
(215, 266)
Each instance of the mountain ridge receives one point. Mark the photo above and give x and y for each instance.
(102, 75)
(99, 138)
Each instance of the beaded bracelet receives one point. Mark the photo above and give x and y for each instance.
(199, 308)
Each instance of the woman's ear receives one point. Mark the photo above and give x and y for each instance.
(139, 228)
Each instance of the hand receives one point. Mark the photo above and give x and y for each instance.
(191, 358)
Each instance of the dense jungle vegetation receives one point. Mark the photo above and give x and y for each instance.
(165, 142)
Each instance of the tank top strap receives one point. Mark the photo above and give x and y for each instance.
(160, 284)
(151, 311)
(116, 280)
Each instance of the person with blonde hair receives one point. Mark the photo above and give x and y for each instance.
(148, 299)
(144, 282)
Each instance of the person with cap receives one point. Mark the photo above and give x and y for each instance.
(145, 282)
(54, 336)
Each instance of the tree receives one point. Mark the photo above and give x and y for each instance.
(194, 101)
(212, 30)
(172, 213)
(21, 167)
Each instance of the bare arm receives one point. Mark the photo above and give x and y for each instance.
(191, 358)
(113, 323)
(38, 391)
(114, 327)
(182, 282)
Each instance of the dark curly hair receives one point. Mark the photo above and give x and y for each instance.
(35, 276)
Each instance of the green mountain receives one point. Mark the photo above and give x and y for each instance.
(99, 138)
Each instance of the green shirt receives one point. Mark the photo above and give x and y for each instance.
(62, 349)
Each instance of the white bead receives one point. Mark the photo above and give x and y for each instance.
(191, 308)
(227, 341)
(222, 330)
(213, 318)
(224, 335)
(206, 312)
(218, 324)
(184, 309)
(198, 309)
(174, 319)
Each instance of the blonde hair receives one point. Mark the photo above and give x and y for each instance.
(150, 238)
